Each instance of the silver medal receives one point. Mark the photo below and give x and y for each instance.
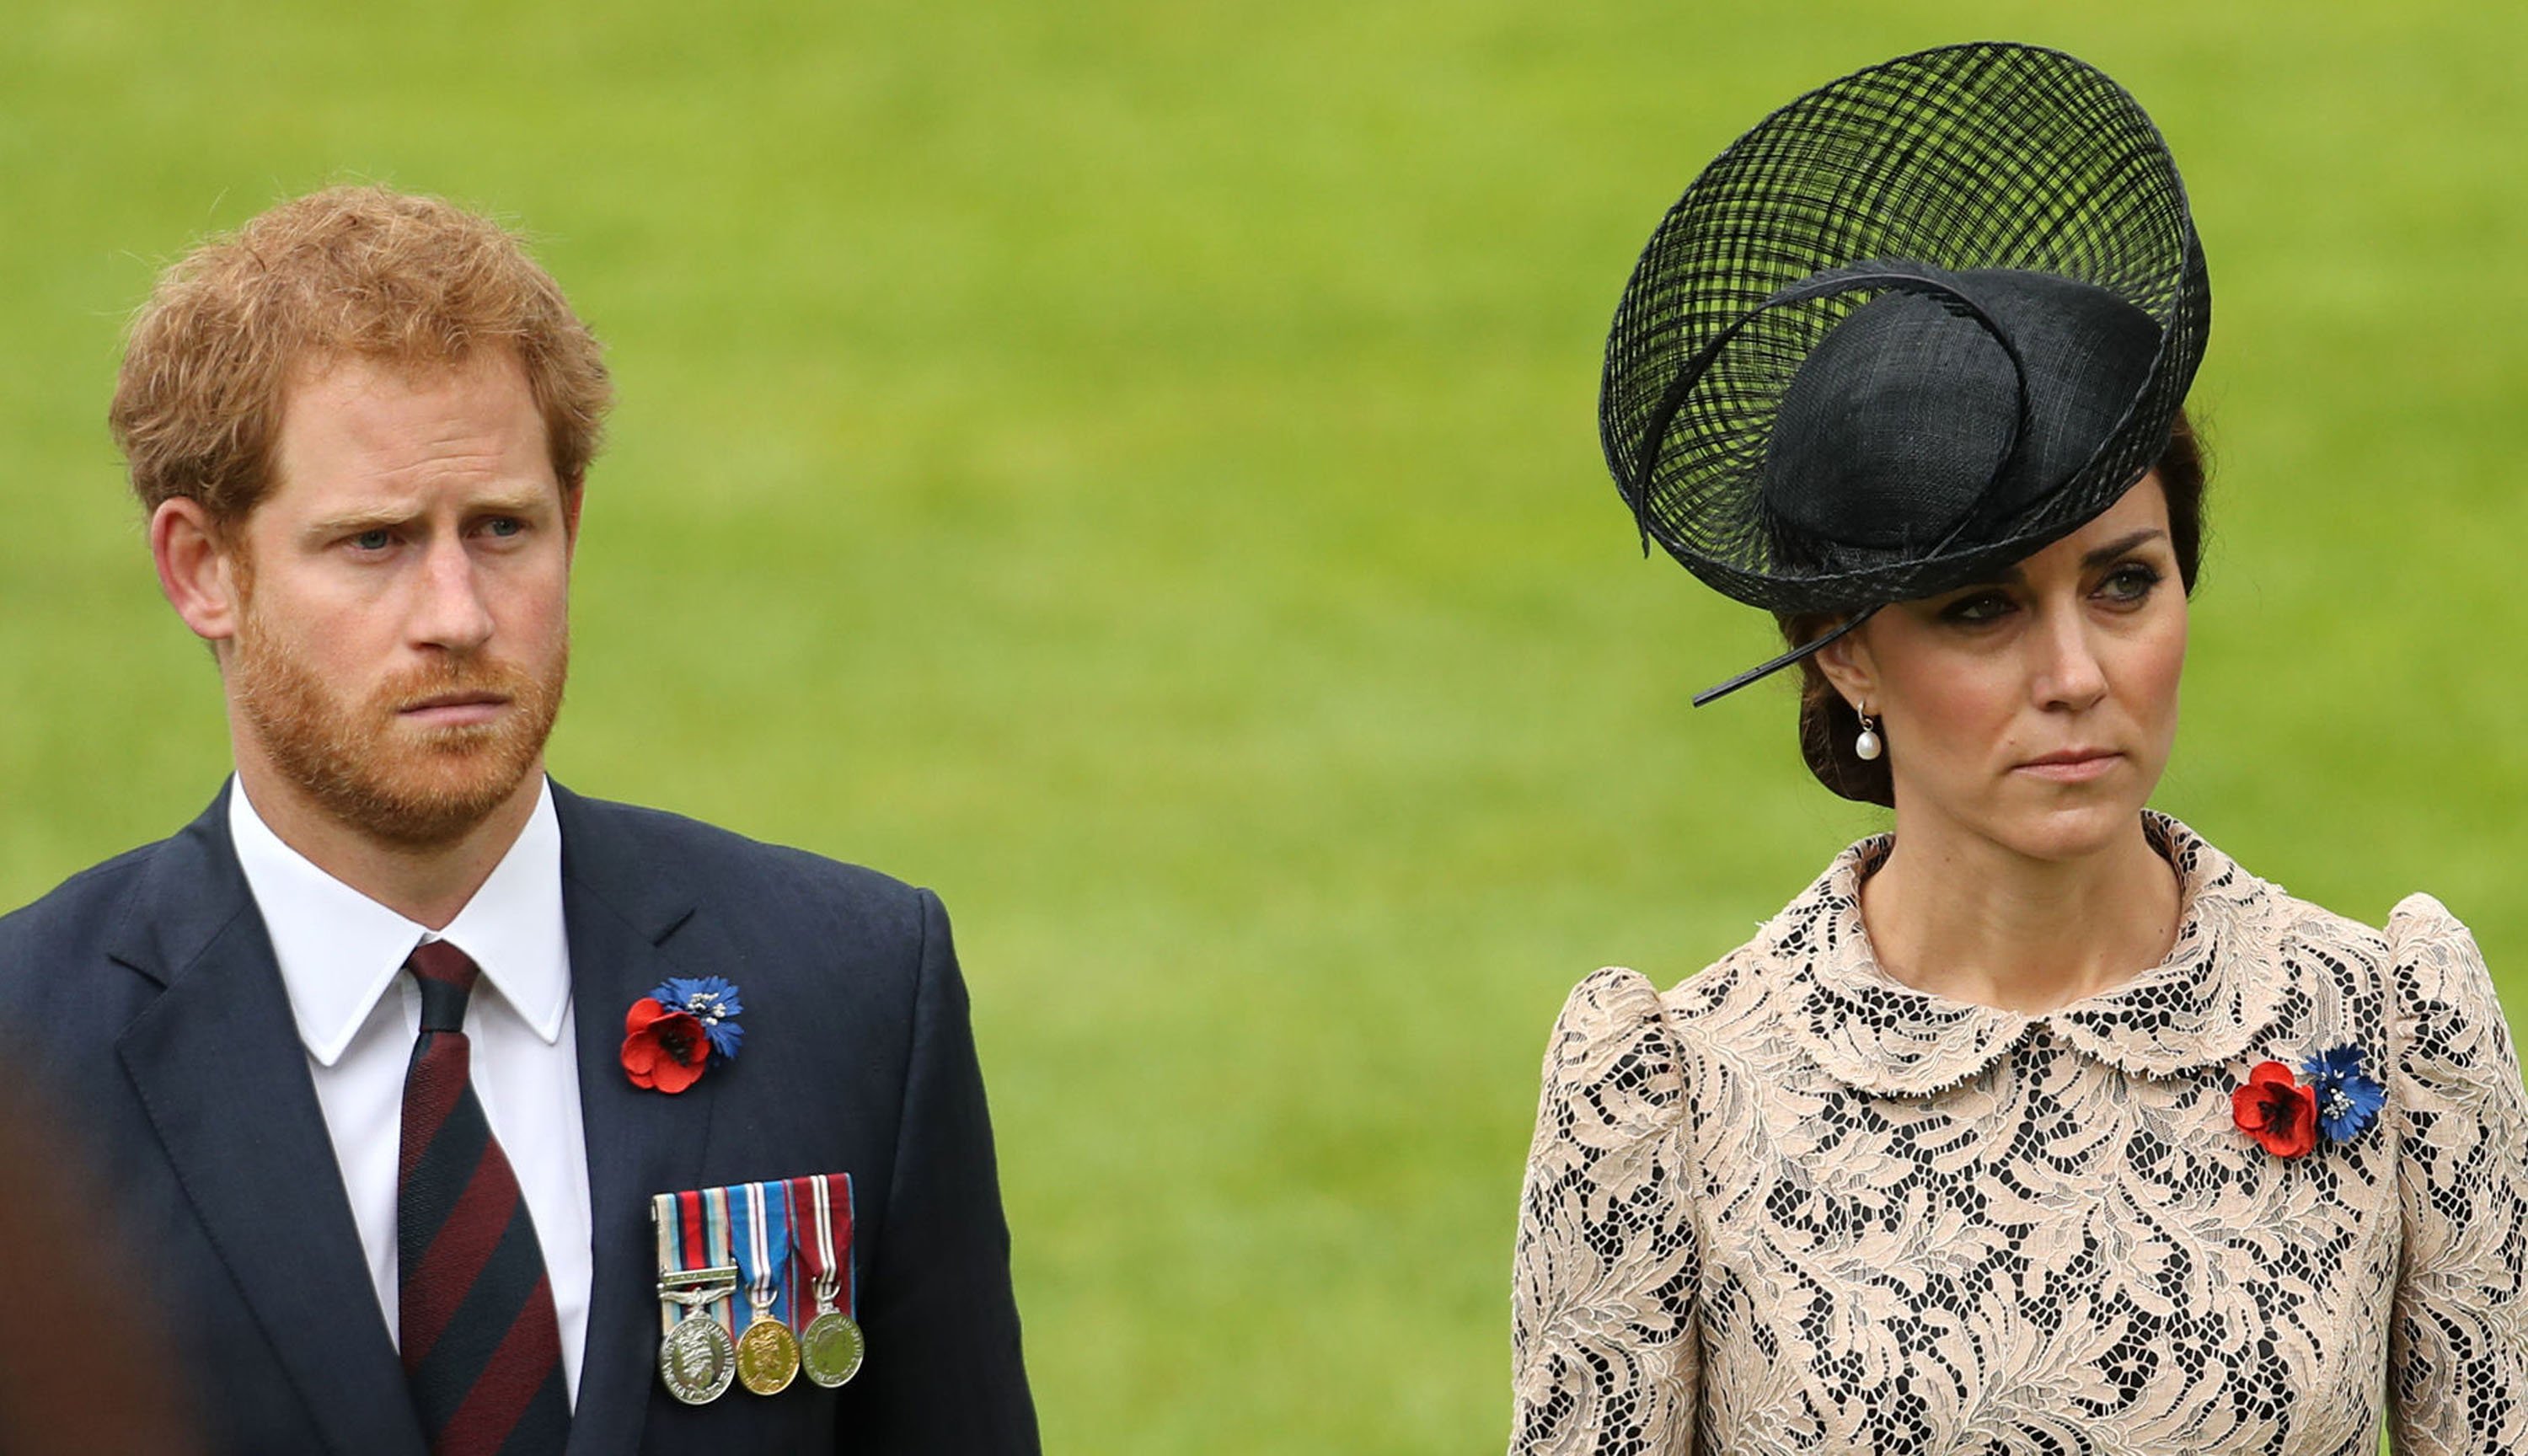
(697, 1360)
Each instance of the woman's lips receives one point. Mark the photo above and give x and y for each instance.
(2073, 769)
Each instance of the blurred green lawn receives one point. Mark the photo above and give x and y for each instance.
(1131, 466)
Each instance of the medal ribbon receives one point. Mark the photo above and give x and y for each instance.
(716, 1231)
(764, 1254)
(668, 1223)
(823, 1208)
(693, 1233)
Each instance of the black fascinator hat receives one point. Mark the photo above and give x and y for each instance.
(1909, 330)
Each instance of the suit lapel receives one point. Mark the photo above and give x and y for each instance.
(218, 1064)
(618, 909)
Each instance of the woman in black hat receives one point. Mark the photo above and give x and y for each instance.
(2039, 1124)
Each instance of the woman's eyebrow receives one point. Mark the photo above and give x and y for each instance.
(2118, 547)
(2014, 577)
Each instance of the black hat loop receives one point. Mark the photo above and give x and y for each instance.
(1834, 281)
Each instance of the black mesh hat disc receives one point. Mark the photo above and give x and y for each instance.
(1906, 331)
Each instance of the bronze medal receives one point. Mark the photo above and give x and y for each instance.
(832, 1350)
(830, 1344)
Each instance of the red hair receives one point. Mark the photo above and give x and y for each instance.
(359, 272)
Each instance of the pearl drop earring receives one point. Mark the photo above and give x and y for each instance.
(1866, 745)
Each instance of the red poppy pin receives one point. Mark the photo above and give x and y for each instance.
(679, 1030)
(2287, 1115)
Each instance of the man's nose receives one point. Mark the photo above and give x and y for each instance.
(451, 612)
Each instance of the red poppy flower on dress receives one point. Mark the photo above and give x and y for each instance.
(663, 1049)
(2276, 1110)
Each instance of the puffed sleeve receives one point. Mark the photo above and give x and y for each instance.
(2458, 1350)
(1605, 1358)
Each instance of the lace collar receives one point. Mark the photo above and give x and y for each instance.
(2204, 1004)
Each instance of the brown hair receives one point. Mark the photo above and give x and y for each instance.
(1828, 725)
(353, 271)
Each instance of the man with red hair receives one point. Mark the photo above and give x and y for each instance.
(383, 1060)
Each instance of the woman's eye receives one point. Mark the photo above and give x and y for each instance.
(1983, 606)
(2131, 582)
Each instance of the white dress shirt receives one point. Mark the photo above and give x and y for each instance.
(342, 957)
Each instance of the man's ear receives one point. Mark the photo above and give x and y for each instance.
(1847, 665)
(196, 570)
(572, 497)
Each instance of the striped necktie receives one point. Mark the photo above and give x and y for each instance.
(481, 1350)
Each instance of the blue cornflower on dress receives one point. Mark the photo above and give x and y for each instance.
(2346, 1098)
(710, 999)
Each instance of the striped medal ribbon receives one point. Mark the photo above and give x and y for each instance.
(697, 1280)
(767, 1354)
(830, 1346)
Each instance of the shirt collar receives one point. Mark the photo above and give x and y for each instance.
(2204, 1004)
(339, 950)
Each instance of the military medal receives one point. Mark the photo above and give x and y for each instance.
(697, 1358)
(696, 1278)
(787, 1245)
(830, 1347)
(768, 1355)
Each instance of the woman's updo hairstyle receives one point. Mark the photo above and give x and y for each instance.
(1828, 725)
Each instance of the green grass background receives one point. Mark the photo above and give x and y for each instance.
(1131, 465)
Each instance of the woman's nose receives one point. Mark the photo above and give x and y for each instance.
(2066, 672)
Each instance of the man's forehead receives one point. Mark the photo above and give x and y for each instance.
(337, 378)
(389, 428)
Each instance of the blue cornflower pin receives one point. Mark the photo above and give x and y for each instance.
(710, 999)
(2346, 1098)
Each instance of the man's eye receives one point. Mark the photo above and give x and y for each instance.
(376, 540)
(505, 525)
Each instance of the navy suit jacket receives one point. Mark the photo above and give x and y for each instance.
(146, 995)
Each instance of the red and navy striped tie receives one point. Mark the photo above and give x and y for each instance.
(481, 1350)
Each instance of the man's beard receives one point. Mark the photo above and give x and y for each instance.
(413, 787)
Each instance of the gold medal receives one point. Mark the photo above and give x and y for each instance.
(767, 1356)
(832, 1350)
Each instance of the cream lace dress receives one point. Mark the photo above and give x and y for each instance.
(1793, 1205)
